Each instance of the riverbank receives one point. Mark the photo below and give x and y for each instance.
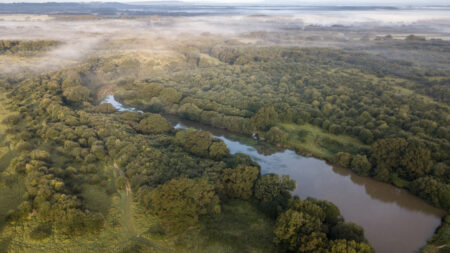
(394, 219)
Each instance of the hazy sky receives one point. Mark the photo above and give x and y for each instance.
(330, 2)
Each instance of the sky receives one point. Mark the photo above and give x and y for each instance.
(318, 2)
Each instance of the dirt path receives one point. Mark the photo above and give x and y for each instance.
(126, 207)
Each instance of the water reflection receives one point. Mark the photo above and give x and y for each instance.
(393, 219)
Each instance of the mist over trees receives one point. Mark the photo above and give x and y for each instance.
(79, 173)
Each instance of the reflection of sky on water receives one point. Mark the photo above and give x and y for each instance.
(110, 99)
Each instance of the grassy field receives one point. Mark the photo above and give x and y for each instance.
(239, 228)
(309, 140)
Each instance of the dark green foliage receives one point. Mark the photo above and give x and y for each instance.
(442, 171)
(366, 136)
(316, 226)
(361, 165)
(332, 212)
(343, 159)
(348, 231)
(41, 231)
(442, 235)
(238, 182)
(396, 105)
(273, 193)
(432, 190)
(138, 245)
(270, 186)
(410, 160)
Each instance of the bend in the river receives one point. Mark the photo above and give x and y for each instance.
(393, 219)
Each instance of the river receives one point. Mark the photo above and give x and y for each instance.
(393, 219)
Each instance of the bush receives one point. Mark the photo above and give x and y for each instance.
(238, 182)
(41, 231)
(343, 159)
(349, 231)
(181, 201)
(154, 124)
(361, 165)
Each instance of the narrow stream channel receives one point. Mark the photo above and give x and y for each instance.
(393, 219)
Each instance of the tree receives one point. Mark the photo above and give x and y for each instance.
(169, 96)
(416, 161)
(270, 186)
(287, 227)
(196, 142)
(200, 143)
(410, 160)
(442, 171)
(154, 124)
(361, 165)
(71, 78)
(238, 182)
(349, 231)
(77, 94)
(344, 246)
(276, 135)
(388, 151)
(105, 108)
(265, 117)
(432, 190)
(342, 159)
(190, 111)
(298, 231)
(218, 150)
(364, 117)
(366, 136)
(180, 202)
(332, 212)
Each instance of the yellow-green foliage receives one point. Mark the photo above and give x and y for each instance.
(26, 47)
(307, 138)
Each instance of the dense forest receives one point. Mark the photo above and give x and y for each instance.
(78, 174)
(75, 169)
(385, 119)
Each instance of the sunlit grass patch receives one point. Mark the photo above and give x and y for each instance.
(311, 139)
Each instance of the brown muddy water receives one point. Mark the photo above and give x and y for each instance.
(393, 219)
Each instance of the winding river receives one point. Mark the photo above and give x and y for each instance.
(393, 219)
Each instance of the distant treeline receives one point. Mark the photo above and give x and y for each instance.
(26, 47)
